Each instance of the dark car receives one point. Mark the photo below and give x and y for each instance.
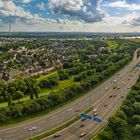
(83, 119)
(110, 96)
(57, 135)
(82, 125)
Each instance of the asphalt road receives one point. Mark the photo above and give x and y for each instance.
(59, 116)
(73, 132)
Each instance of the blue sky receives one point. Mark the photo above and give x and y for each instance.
(70, 15)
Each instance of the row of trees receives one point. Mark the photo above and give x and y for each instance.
(125, 124)
(18, 89)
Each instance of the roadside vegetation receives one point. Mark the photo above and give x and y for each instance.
(95, 62)
(125, 124)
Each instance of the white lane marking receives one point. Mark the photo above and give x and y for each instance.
(8, 132)
(41, 122)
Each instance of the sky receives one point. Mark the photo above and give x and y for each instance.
(70, 15)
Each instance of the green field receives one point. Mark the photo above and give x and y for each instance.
(43, 77)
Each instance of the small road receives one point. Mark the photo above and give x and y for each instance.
(59, 116)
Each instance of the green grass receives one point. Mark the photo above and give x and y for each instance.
(43, 77)
(61, 85)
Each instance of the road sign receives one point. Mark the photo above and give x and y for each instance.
(91, 118)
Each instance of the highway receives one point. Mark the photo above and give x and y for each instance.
(59, 116)
(73, 132)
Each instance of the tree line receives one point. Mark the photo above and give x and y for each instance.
(125, 124)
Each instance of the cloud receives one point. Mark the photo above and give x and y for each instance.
(24, 1)
(123, 4)
(11, 13)
(132, 19)
(41, 6)
(136, 21)
(86, 10)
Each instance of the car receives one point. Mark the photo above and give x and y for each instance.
(95, 114)
(82, 134)
(122, 96)
(118, 87)
(57, 135)
(115, 81)
(94, 110)
(83, 119)
(122, 82)
(110, 96)
(82, 125)
(106, 88)
(128, 87)
(114, 87)
(105, 104)
(69, 110)
(32, 128)
(114, 95)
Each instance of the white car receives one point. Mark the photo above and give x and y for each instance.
(106, 88)
(95, 110)
(32, 128)
(95, 114)
(69, 110)
(82, 134)
(115, 81)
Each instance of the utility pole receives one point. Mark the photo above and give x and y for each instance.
(10, 32)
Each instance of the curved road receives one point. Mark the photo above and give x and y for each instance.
(59, 116)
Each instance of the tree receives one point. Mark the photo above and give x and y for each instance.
(121, 115)
(137, 108)
(106, 135)
(136, 130)
(9, 99)
(118, 126)
(136, 119)
(129, 111)
(31, 96)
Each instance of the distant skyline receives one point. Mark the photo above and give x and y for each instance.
(70, 15)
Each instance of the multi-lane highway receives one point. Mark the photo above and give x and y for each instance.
(61, 115)
(105, 107)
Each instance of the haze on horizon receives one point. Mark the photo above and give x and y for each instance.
(70, 15)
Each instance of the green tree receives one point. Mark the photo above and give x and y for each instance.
(9, 99)
(136, 130)
(118, 127)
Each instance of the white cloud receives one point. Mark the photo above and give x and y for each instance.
(24, 1)
(123, 4)
(41, 6)
(86, 10)
(10, 13)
